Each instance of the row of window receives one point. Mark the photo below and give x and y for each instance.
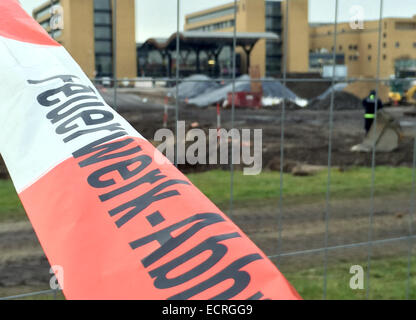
(396, 45)
(330, 32)
(215, 26)
(369, 58)
(355, 47)
(42, 13)
(211, 15)
(98, 5)
(405, 25)
(350, 47)
(398, 26)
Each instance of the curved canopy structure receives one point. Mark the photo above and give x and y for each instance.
(209, 42)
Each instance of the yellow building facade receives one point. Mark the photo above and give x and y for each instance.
(261, 16)
(87, 34)
(359, 46)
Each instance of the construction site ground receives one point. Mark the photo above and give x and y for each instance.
(24, 268)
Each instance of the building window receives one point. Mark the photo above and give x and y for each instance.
(340, 48)
(355, 47)
(369, 58)
(104, 66)
(273, 48)
(102, 5)
(103, 32)
(384, 45)
(273, 8)
(46, 24)
(350, 47)
(384, 57)
(414, 44)
(319, 59)
(55, 33)
(43, 13)
(273, 23)
(369, 46)
(384, 35)
(397, 44)
(102, 18)
(103, 46)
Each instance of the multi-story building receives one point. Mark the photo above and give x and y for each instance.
(262, 16)
(87, 33)
(358, 48)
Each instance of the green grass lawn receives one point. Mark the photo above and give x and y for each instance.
(255, 189)
(265, 186)
(22, 290)
(11, 208)
(388, 280)
(388, 276)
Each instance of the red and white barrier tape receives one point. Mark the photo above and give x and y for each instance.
(121, 225)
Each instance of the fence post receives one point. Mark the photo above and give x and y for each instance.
(165, 113)
(115, 83)
(218, 120)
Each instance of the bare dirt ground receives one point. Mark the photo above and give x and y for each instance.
(24, 268)
(306, 131)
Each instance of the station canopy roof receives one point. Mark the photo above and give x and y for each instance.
(209, 40)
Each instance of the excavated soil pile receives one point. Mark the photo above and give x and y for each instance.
(3, 170)
(361, 89)
(342, 101)
(307, 89)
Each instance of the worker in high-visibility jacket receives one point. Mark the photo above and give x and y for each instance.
(369, 104)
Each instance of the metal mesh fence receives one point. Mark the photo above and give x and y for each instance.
(314, 235)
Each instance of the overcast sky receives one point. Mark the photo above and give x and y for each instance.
(157, 18)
